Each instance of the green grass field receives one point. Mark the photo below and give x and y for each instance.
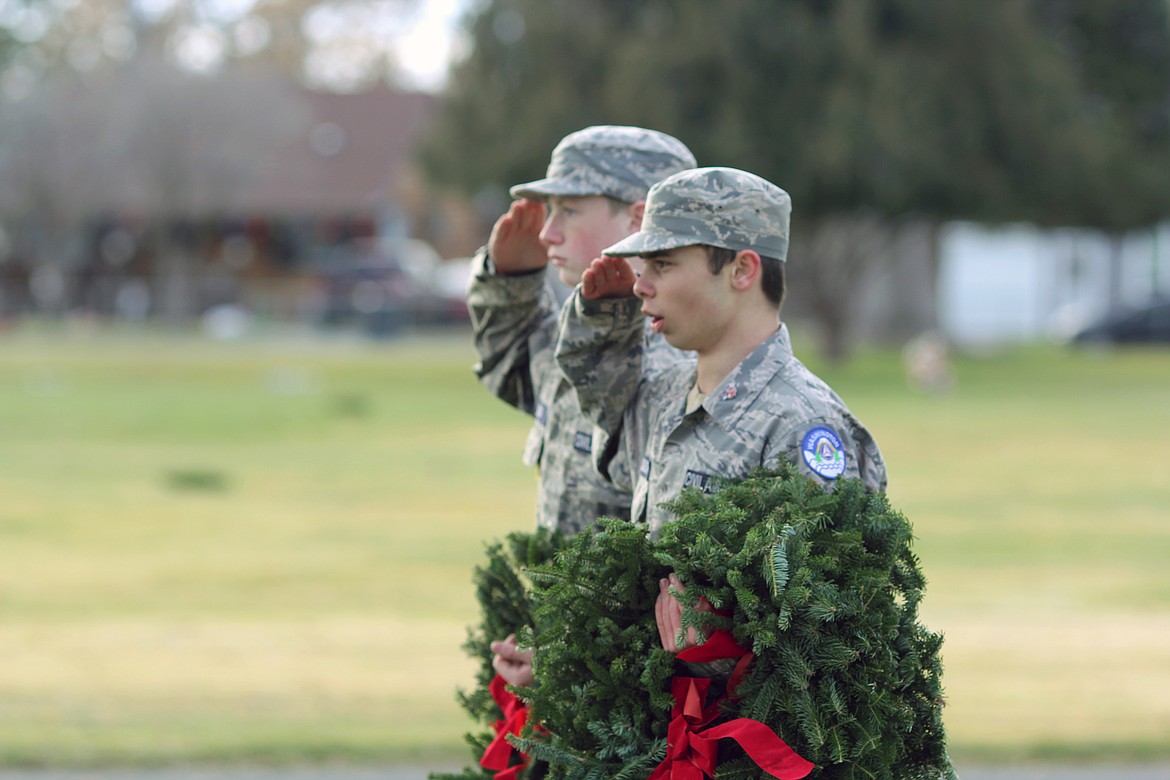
(261, 551)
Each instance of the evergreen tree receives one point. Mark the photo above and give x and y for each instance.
(1119, 52)
(536, 73)
(868, 112)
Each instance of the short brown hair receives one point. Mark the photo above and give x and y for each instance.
(772, 271)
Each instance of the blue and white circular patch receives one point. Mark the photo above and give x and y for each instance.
(823, 453)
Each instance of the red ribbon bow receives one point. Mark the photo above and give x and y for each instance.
(692, 751)
(498, 754)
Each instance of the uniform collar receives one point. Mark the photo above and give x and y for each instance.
(739, 389)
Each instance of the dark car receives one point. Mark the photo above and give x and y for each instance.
(1149, 324)
(380, 288)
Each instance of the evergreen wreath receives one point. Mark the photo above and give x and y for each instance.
(502, 591)
(822, 587)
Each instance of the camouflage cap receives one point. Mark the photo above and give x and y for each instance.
(721, 207)
(621, 162)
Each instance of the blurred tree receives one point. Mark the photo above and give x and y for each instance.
(331, 44)
(537, 71)
(874, 114)
(1119, 51)
(7, 47)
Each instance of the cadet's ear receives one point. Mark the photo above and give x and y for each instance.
(745, 269)
(636, 212)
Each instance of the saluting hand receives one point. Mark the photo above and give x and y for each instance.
(608, 277)
(514, 245)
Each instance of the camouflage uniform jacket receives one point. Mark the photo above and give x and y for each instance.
(769, 408)
(514, 322)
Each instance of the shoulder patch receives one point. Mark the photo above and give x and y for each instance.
(541, 413)
(823, 453)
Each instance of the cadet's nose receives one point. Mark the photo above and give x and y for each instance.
(642, 288)
(550, 234)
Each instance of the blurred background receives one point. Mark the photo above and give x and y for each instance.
(988, 171)
(245, 469)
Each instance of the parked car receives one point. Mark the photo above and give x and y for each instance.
(382, 287)
(1148, 324)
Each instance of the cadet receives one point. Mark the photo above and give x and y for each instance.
(713, 242)
(593, 195)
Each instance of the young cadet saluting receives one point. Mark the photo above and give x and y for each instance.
(593, 195)
(713, 242)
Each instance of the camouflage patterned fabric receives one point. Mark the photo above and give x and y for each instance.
(619, 162)
(768, 409)
(721, 207)
(514, 319)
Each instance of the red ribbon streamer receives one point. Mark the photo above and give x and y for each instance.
(692, 751)
(498, 754)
